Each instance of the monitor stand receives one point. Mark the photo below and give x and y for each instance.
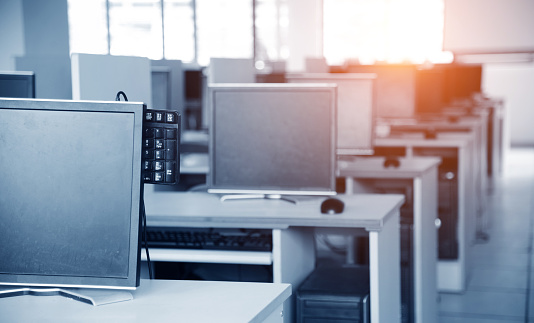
(86, 295)
(233, 197)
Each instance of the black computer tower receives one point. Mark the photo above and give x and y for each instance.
(334, 294)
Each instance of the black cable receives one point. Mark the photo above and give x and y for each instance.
(145, 241)
(118, 97)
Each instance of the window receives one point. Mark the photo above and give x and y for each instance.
(82, 14)
(392, 31)
(272, 20)
(370, 31)
(179, 28)
(224, 29)
(135, 28)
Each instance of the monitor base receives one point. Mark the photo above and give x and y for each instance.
(86, 295)
(230, 197)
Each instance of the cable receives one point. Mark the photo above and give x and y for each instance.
(118, 97)
(143, 215)
(145, 240)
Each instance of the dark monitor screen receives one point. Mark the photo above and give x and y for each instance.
(193, 84)
(17, 85)
(272, 139)
(70, 193)
(429, 92)
(355, 108)
(461, 81)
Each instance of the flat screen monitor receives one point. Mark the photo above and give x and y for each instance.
(429, 90)
(355, 108)
(17, 85)
(272, 139)
(395, 88)
(70, 193)
(461, 81)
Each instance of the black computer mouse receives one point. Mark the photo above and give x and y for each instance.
(332, 206)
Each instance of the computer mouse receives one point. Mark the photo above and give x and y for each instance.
(332, 206)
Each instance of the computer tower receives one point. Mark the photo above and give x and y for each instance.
(334, 294)
(447, 199)
(447, 193)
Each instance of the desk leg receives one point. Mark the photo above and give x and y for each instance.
(384, 265)
(293, 261)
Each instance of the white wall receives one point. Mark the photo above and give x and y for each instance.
(514, 82)
(11, 33)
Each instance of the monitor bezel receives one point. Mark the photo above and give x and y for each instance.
(133, 276)
(296, 78)
(21, 75)
(272, 87)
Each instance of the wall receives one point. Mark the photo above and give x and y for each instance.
(514, 82)
(12, 33)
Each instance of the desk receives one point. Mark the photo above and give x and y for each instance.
(293, 254)
(417, 179)
(160, 301)
(457, 198)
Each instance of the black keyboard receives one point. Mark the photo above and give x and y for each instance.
(161, 142)
(210, 239)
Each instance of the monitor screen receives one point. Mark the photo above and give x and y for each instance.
(70, 193)
(355, 109)
(272, 139)
(17, 85)
(461, 81)
(395, 88)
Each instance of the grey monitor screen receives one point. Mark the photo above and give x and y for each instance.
(272, 139)
(355, 108)
(70, 193)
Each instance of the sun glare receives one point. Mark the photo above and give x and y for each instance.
(391, 31)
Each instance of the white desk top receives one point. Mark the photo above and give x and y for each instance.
(158, 301)
(372, 167)
(368, 211)
(418, 140)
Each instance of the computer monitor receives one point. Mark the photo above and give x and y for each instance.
(17, 85)
(272, 139)
(355, 108)
(461, 81)
(395, 88)
(71, 192)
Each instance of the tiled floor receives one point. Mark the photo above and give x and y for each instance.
(500, 288)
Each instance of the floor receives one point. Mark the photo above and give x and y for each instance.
(500, 288)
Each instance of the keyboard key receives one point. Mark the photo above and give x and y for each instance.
(159, 117)
(159, 144)
(170, 171)
(149, 133)
(170, 117)
(149, 154)
(159, 154)
(149, 143)
(158, 133)
(170, 153)
(170, 133)
(147, 177)
(147, 165)
(158, 165)
(149, 116)
(158, 177)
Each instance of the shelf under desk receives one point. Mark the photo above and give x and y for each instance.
(293, 252)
